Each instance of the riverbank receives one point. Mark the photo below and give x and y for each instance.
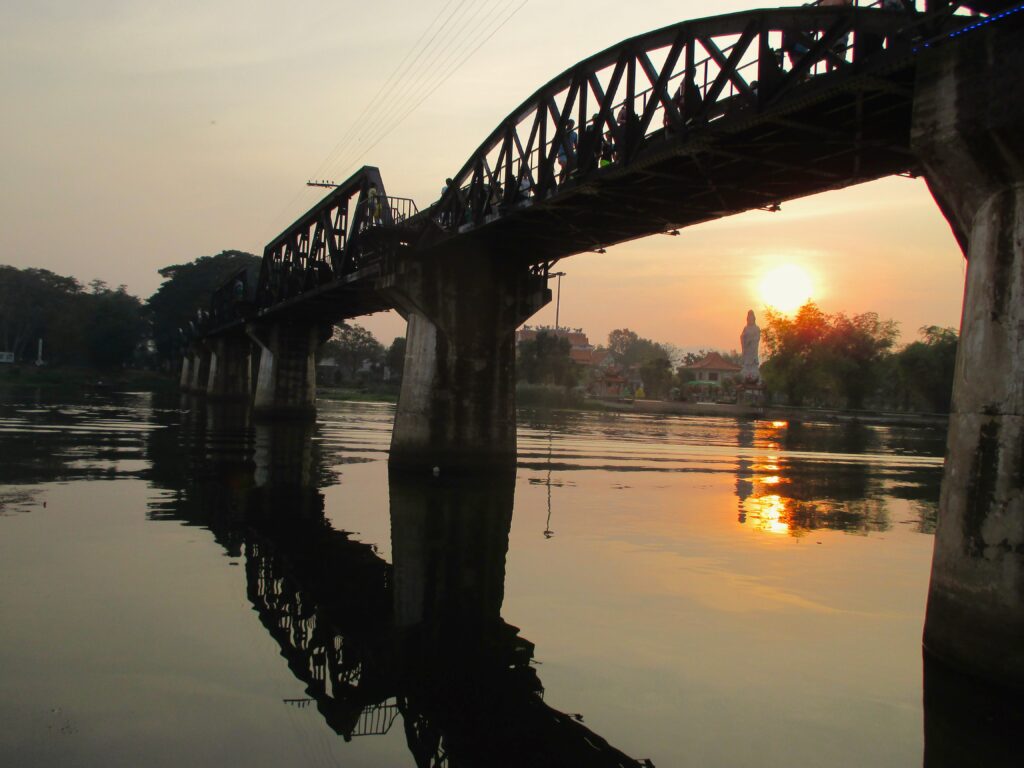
(371, 395)
(75, 379)
(781, 413)
(552, 399)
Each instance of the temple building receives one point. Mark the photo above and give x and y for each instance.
(708, 375)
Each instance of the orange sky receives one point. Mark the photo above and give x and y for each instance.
(146, 134)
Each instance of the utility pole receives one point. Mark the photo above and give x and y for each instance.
(558, 297)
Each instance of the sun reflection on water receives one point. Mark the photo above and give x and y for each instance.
(766, 513)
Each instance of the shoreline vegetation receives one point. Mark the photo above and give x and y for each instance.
(529, 397)
(815, 365)
(84, 379)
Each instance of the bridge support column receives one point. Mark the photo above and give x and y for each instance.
(229, 368)
(969, 132)
(286, 381)
(457, 406)
(185, 383)
(198, 368)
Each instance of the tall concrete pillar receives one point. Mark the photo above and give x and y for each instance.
(228, 378)
(199, 368)
(286, 382)
(456, 408)
(969, 132)
(185, 383)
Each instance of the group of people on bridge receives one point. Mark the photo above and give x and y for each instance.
(601, 144)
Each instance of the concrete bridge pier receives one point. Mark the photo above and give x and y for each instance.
(195, 368)
(286, 380)
(969, 132)
(185, 382)
(457, 406)
(230, 368)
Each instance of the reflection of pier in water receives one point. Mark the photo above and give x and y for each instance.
(421, 638)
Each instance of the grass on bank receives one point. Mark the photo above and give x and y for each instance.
(383, 393)
(73, 378)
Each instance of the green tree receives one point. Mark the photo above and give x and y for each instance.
(34, 304)
(188, 288)
(858, 346)
(631, 349)
(115, 327)
(395, 358)
(795, 352)
(101, 327)
(830, 359)
(925, 370)
(352, 345)
(656, 375)
(546, 359)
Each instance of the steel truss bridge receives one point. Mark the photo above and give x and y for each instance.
(685, 124)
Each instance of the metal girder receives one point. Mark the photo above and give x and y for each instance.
(707, 62)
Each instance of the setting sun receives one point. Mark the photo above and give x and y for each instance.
(786, 288)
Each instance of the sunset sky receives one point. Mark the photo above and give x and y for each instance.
(142, 134)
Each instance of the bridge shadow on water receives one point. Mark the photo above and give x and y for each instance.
(419, 643)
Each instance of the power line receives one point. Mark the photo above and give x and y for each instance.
(355, 124)
(393, 105)
(443, 81)
(391, 78)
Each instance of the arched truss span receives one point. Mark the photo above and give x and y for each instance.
(683, 91)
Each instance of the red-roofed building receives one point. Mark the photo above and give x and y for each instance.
(580, 349)
(709, 374)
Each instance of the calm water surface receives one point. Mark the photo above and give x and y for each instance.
(189, 588)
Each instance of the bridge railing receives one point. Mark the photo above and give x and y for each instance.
(667, 83)
(334, 239)
(381, 211)
(233, 300)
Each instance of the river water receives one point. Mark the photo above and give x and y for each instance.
(181, 586)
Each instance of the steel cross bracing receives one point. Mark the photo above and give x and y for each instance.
(688, 123)
(344, 236)
(695, 121)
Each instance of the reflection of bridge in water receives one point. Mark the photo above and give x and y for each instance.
(420, 639)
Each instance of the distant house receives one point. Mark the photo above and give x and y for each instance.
(329, 373)
(609, 383)
(602, 376)
(708, 375)
(580, 348)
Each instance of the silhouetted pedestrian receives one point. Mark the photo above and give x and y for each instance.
(590, 145)
(567, 150)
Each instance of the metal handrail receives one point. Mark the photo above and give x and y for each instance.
(482, 193)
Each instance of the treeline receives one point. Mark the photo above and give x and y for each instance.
(840, 361)
(354, 356)
(102, 327)
(546, 359)
(95, 326)
(813, 359)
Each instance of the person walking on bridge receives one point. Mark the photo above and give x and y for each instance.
(374, 208)
(590, 145)
(567, 150)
